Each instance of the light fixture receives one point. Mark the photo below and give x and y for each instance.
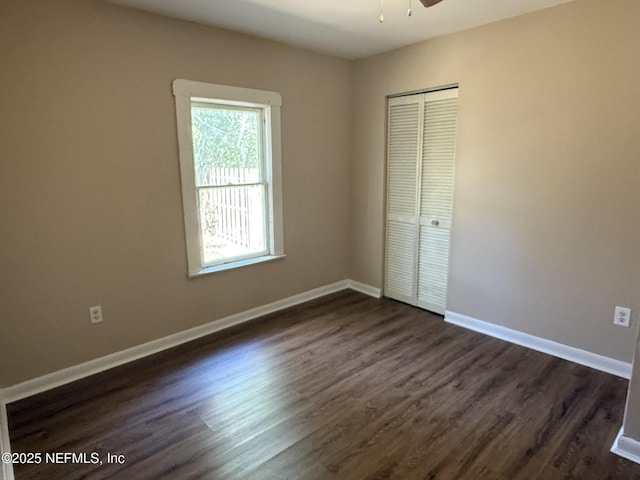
(426, 3)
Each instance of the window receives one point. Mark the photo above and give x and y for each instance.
(229, 145)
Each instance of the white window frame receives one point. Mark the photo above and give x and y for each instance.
(186, 91)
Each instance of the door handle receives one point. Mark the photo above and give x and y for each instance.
(435, 223)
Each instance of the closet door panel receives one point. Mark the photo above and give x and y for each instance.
(436, 199)
(403, 148)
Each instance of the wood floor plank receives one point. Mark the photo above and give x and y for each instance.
(342, 387)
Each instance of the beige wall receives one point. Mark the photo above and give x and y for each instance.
(546, 236)
(89, 180)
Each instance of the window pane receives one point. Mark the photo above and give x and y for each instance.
(226, 145)
(232, 222)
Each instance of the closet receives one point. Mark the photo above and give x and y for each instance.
(421, 148)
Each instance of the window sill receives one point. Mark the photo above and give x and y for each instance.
(240, 263)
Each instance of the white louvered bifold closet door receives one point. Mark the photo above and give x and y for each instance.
(436, 198)
(420, 179)
(404, 127)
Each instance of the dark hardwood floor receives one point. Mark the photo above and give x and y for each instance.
(343, 387)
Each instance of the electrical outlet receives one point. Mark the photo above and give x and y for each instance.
(622, 316)
(95, 314)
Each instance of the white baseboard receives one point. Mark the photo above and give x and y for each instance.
(626, 447)
(76, 372)
(582, 357)
(364, 288)
(6, 469)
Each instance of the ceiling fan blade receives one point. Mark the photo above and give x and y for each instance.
(429, 3)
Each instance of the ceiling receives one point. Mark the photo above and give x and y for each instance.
(345, 28)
